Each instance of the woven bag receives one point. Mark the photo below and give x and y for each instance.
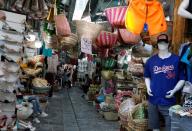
(106, 39)
(62, 25)
(88, 29)
(116, 16)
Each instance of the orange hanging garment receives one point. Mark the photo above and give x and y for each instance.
(137, 15)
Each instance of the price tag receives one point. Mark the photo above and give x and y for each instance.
(86, 46)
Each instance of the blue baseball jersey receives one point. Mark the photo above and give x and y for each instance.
(164, 75)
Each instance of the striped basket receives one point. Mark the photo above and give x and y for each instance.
(116, 16)
(106, 39)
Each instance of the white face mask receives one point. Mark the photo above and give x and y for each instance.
(163, 46)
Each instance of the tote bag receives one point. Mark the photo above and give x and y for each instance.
(62, 25)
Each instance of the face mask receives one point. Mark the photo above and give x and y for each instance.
(163, 46)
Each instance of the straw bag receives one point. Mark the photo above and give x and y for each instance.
(39, 82)
(106, 39)
(32, 72)
(138, 117)
(127, 37)
(51, 41)
(116, 16)
(88, 30)
(68, 42)
(62, 25)
(40, 86)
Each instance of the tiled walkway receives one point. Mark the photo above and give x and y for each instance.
(68, 111)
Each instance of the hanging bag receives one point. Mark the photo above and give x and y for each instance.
(61, 24)
(126, 37)
(106, 39)
(116, 16)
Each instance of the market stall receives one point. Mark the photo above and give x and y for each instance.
(113, 49)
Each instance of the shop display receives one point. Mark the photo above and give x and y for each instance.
(107, 48)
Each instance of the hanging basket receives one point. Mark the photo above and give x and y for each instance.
(88, 30)
(116, 16)
(68, 42)
(127, 37)
(106, 39)
(51, 41)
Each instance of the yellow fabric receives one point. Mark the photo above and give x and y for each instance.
(136, 17)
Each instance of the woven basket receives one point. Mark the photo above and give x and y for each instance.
(138, 124)
(106, 39)
(51, 42)
(88, 30)
(69, 42)
(116, 16)
(41, 90)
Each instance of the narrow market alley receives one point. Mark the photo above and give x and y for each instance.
(68, 111)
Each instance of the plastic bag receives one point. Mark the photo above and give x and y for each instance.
(125, 107)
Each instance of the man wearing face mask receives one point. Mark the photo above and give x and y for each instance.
(163, 78)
